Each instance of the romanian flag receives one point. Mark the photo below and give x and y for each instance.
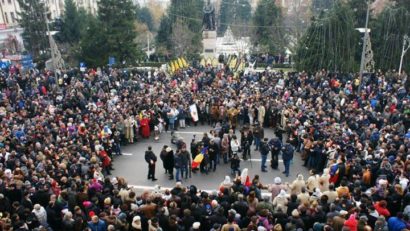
(197, 161)
(199, 158)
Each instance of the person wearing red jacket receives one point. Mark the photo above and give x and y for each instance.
(381, 208)
(351, 223)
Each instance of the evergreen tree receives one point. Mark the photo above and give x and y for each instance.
(185, 12)
(144, 16)
(387, 34)
(71, 27)
(117, 18)
(319, 6)
(233, 12)
(32, 19)
(93, 44)
(359, 8)
(330, 42)
(268, 35)
(164, 31)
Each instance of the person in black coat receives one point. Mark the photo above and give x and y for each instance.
(162, 156)
(275, 147)
(213, 152)
(169, 162)
(151, 159)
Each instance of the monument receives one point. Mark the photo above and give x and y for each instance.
(209, 30)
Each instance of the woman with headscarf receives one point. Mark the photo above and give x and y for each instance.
(281, 200)
(225, 147)
(324, 180)
(226, 184)
(297, 185)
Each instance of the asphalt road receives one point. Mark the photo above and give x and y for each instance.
(132, 166)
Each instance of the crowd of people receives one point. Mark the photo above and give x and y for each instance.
(60, 132)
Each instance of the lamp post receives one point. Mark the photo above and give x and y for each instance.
(406, 42)
(53, 57)
(366, 34)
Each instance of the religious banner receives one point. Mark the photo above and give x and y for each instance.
(194, 112)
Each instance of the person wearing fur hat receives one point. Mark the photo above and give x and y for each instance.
(312, 182)
(297, 185)
(324, 180)
(281, 200)
(196, 226)
(339, 220)
(276, 187)
(296, 220)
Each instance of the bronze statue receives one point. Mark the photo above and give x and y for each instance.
(209, 16)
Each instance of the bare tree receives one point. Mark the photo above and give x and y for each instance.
(182, 39)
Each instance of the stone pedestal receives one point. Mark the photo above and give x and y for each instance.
(209, 43)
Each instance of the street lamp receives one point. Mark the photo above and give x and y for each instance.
(366, 34)
(53, 58)
(406, 42)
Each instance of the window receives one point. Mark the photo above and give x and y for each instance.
(6, 18)
(13, 18)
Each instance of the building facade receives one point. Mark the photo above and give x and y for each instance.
(9, 10)
(10, 32)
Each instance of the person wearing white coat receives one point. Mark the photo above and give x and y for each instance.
(41, 214)
(281, 201)
(324, 180)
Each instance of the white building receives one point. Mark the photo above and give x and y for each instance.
(9, 27)
(8, 10)
(229, 45)
(142, 3)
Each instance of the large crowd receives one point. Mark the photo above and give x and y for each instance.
(59, 133)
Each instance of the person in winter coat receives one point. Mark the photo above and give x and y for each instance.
(178, 162)
(351, 223)
(169, 162)
(41, 214)
(287, 156)
(235, 164)
(162, 156)
(297, 185)
(225, 148)
(381, 208)
(277, 187)
(151, 159)
(312, 182)
(324, 180)
(396, 223)
(281, 200)
(381, 224)
(97, 224)
(275, 147)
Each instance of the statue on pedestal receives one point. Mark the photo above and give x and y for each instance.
(208, 21)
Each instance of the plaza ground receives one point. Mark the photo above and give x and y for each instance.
(132, 166)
